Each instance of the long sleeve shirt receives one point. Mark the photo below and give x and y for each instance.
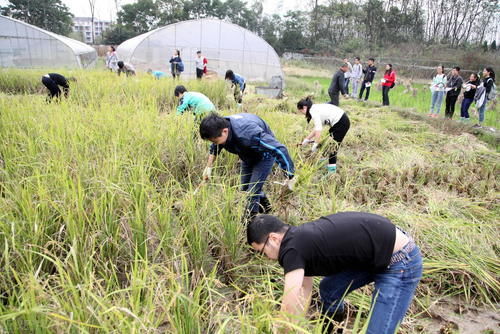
(252, 140)
(389, 78)
(338, 84)
(369, 73)
(357, 71)
(239, 80)
(439, 83)
(455, 83)
(197, 102)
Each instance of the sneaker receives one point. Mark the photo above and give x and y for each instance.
(331, 168)
(477, 126)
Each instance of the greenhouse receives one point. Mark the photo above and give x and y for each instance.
(23, 45)
(225, 45)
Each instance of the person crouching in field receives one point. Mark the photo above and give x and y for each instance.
(350, 250)
(388, 82)
(238, 83)
(126, 68)
(52, 81)
(249, 137)
(198, 103)
(325, 114)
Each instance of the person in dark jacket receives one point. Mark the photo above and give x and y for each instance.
(249, 137)
(52, 81)
(338, 85)
(469, 92)
(369, 75)
(488, 82)
(350, 250)
(175, 62)
(238, 84)
(453, 88)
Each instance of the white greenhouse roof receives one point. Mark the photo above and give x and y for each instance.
(25, 45)
(225, 45)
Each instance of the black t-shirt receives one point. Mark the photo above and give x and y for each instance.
(339, 242)
(59, 79)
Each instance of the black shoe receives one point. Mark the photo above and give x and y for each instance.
(265, 206)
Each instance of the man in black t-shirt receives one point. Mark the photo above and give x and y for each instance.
(351, 249)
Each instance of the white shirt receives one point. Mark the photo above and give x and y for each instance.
(357, 71)
(325, 114)
(199, 62)
(348, 74)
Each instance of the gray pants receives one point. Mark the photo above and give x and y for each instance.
(355, 87)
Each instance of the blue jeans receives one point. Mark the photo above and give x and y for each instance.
(464, 110)
(436, 101)
(253, 177)
(346, 85)
(394, 290)
(481, 111)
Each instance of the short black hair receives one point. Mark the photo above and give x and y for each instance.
(212, 126)
(372, 59)
(260, 227)
(120, 64)
(457, 68)
(199, 51)
(179, 90)
(357, 58)
(229, 75)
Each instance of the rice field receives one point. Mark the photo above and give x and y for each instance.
(102, 231)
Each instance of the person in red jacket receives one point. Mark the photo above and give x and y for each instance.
(387, 83)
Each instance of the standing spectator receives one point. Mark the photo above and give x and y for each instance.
(201, 65)
(369, 73)
(490, 91)
(176, 65)
(469, 92)
(338, 85)
(112, 59)
(356, 75)
(127, 68)
(453, 88)
(347, 75)
(438, 87)
(388, 82)
(237, 83)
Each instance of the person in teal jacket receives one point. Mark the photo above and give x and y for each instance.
(198, 103)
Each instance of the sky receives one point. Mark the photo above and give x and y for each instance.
(106, 9)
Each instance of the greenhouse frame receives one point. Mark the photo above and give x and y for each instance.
(23, 45)
(225, 45)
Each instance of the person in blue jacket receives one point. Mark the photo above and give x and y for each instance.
(238, 83)
(157, 74)
(198, 103)
(249, 137)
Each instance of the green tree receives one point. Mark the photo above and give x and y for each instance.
(117, 34)
(51, 15)
(493, 45)
(485, 46)
(140, 17)
(295, 24)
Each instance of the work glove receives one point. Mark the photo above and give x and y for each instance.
(290, 183)
(306, 141)
(207, 172)
(314, 148)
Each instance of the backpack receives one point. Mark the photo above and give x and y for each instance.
(180, 67)
(493, 92)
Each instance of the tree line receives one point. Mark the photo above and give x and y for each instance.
(328, 26)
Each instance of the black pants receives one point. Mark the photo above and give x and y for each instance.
(338, 132)
(334, 99)
(450, 105)
(199, 73)
(363, 87)
(385, 95)
(53, 88)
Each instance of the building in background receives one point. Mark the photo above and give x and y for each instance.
(83, 25)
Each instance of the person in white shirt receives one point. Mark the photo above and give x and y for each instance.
(201, 65)
(325, 114)
(356, 75)
(347, 75)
